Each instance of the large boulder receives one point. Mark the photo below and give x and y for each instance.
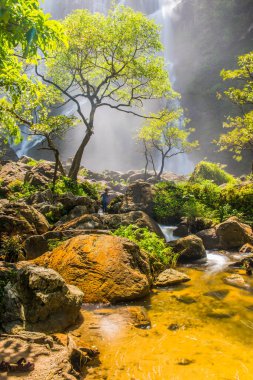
(36, 245)
(106, 268)
(139, 196)
(189, 248)
(38, 299)
(209, 238)
(232, 234)
(111, 222)
(21, 219)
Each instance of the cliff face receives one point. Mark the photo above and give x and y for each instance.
(209, 35)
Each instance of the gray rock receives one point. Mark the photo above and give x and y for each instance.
(139, 196)
(39, 300)
(171, 277)
(237, 281)
(189, 248)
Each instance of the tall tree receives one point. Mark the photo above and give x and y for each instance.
(163, 138)
(25, 32)
(111, 61)
(239, 138)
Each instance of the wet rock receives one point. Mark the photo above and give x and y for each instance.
(199, 224)
(219, 314)
(185, 361)
(189, 248)
(209, 238)
(21, 219)
(182, 229)
(139, 316)
(173, 327)
(188, 300)
(171, 277)
(106, 268)
(217, 294)
(38, 299)
(233, 234)
(237, 281)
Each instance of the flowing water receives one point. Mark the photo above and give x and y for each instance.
(201, 330)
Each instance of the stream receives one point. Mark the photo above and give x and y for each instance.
(201, 330)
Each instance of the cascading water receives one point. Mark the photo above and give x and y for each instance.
(114, 130)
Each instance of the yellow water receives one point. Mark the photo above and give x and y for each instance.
(204, 347)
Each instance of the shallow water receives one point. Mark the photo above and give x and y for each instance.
(213, 339)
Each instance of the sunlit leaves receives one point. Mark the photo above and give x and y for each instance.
(112, 58)
(165, 132)
(240, 135)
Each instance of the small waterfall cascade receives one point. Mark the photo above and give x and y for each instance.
(114, 130)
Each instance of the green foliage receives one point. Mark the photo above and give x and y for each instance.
(24, 100)
(168, 202)
(203, 199)
(11, 249)
(65, 185)
(114, 56)
(159, 253)
(210, 171)
(164, 136)
(54, 243)
(31, 162)
(20, 190)
(240, 136)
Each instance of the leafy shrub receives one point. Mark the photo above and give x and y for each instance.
(203, 199)
(32, 162)
(168, 202)
(210, 171)
(159, 253)
(20, 190)
(11, 249)
(65, 185)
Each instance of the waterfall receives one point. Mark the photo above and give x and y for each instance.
(112, 146)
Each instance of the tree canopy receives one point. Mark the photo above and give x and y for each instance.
(240, 134)
(111, 61)
(166, 137)
(26, 33)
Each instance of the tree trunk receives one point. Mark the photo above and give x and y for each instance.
(55, 170)
(147, 162)
(162, 167)
(73, 172)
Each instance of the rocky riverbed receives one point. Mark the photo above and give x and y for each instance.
(77, 301)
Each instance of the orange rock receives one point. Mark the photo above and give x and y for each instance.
(106, 268)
